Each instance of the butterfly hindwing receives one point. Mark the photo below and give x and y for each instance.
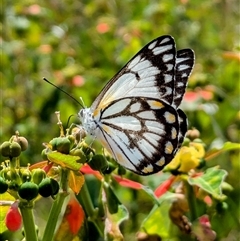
(183, 68)
(141, 134)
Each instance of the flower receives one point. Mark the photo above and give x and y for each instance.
(188, 157)
(13, 218)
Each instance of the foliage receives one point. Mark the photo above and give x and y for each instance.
(79, 45)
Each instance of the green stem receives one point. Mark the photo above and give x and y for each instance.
(191, 202)
(92, 213)
(28, 221)
(56, 207)
(53, 217)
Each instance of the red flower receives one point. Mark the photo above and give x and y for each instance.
(164, 187)
(127, 183)
(13, 218)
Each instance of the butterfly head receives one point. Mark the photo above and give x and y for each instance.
(86, 117)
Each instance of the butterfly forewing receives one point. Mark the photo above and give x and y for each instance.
(152, 68)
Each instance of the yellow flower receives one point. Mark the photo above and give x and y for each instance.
(187, 158)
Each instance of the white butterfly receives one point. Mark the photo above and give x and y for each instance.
(136, 115)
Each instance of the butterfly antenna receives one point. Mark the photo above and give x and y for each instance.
(63, 92)
(83, 104)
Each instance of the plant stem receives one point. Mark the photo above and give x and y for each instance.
(56, 207)
(53, 217)
(191, 202)
(28, 221)
(86, 201)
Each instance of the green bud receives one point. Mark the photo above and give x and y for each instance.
(48, 187)
(110, 168)
(55, 186)
(4, 173)
(78, 152)
(38, 175)
(53, 143)
(44, 154)
(28, 191)
(71, 138)
(121, 170)
(186, 142)
(25, 174)
(61, 144)
(99, 163)
(13, 176)
(3, 185)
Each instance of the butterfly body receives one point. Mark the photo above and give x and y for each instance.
(136, 115)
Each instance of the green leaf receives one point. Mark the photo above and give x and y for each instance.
(228, 146)
(158, 221)
(65, 161)
(150, 192)
(112, 200)
(211, 182)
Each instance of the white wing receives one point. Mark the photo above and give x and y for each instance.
(136, 116)
(140, 133)
(150, 73)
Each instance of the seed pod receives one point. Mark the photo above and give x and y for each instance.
(15, 149)
(5, 148)
(22, 141)
(28, 191)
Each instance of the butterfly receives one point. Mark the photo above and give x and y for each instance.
(136, 115)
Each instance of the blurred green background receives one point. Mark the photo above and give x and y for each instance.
(80, 45)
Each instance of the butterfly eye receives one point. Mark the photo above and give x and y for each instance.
(81, 114)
